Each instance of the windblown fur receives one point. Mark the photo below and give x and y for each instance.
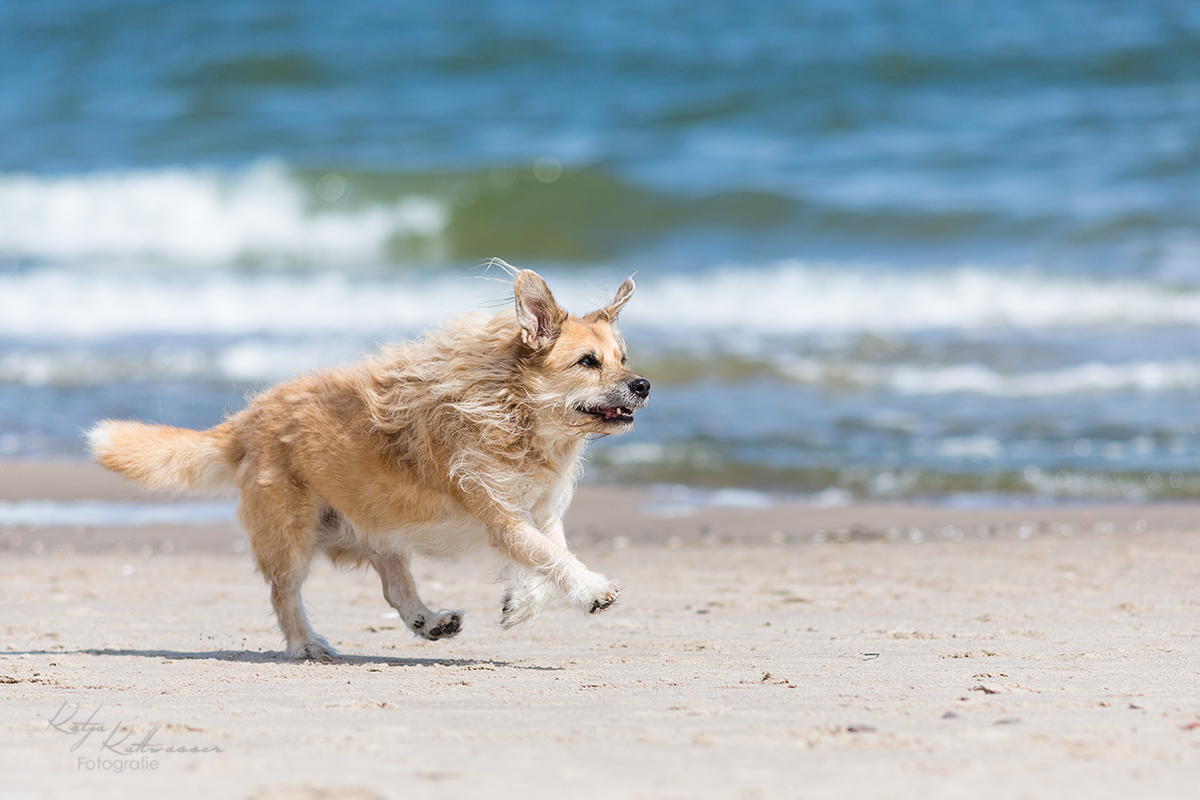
(467, 438)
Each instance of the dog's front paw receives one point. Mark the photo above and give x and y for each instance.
(443, 624)
(606, 598)
(515, 608)
(596, 594)
(527, 598)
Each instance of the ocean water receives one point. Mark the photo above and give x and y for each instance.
(885, 250)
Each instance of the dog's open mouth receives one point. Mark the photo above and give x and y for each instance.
(620, 415)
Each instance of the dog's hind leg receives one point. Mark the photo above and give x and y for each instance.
(401, 593)
(281, 520)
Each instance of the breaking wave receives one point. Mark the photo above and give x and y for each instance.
(181, 216)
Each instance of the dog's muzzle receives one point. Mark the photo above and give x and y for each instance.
(618, 411)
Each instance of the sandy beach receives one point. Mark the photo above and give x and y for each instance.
(787, 651)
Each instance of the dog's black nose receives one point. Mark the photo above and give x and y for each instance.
(640, 387)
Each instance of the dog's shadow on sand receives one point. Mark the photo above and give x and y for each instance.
(275, 657)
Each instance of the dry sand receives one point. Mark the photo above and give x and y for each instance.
(861, 651)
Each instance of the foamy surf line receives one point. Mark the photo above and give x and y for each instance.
(681, 501)
(60, 303)
(254, 360)
(794, 297)
(1092, 377)
(788, 299)
(103, 514)
(200, 217)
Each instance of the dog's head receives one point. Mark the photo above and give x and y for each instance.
(578, 378)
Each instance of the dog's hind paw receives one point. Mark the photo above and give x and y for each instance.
(316, 650)
(443, 624)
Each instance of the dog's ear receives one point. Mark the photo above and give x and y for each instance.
(610, 311)
(539, 315)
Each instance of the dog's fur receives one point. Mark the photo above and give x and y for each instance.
(467, 438)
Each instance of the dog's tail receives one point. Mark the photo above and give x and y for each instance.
(162, 457)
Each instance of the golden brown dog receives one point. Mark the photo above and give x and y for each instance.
(467, 438)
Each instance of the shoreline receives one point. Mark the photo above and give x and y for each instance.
(601, 516)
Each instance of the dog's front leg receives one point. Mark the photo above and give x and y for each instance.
(547, 560)
(530, 592)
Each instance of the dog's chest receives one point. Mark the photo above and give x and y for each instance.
(546, 492)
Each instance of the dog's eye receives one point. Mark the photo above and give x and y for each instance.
(589, 361)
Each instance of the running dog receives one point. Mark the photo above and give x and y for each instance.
(467, 438)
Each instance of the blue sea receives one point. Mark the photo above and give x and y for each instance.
(884, 250)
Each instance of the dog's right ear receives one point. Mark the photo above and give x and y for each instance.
(539, 315)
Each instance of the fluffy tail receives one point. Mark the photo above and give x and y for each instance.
(162, 457)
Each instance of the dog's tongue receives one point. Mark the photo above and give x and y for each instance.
(611, 413)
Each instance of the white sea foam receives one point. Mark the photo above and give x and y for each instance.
(1093, 376)
(795, 298)
(1089, 377)
(251, 361)
(258, 361)
(790, 299)
(681, 501)
(196, 217)
(59, 303)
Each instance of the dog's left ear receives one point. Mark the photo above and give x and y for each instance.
(610, 311)
(538, 313)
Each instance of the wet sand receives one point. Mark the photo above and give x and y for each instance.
(792, 651)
